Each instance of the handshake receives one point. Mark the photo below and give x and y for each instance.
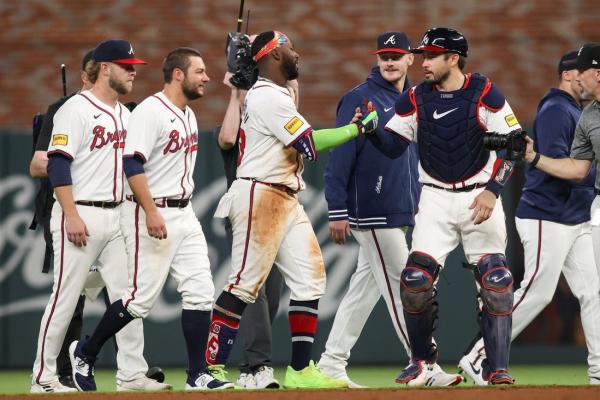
(368, 124)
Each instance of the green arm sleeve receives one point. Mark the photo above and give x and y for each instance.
(328, 138)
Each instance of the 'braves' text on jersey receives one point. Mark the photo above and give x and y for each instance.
(97, 170)
(167, 140)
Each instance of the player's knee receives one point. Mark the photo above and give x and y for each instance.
(417, 282)
(496, 283)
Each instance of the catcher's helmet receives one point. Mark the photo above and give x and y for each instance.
(443, 40)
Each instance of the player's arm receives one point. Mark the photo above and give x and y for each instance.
(133, 167)
(395, 137)
(231, 122)
(339, 167)
(497, 116)
(59, 173)
(64, 143)
(142, 131)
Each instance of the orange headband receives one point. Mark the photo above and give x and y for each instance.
(278, 40)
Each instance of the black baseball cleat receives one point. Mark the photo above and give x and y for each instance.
(83, 367)
(156, 373)
(500, 378)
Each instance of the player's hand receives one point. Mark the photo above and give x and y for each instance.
(156, 225)
(226, 82)
(77, 232)
(368, 124)
(357, 115)
(339, 230)
(482, 206)
(529, 152)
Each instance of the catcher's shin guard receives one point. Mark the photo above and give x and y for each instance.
(417, 292)
(496, 283)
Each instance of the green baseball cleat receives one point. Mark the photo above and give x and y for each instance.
(311, 378)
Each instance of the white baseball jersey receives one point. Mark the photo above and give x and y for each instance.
(501, 121)
(166, 137)
(92, 134)
(270, 125)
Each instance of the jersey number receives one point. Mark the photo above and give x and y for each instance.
(242, 145)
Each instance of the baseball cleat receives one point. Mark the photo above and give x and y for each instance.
(83, 367)
(51, 387)
(142, 384)
(471, 366)
(311, 377)
(246, 381)
(411, 372)
(156, 373)
(338, 372)
(594, 380)
(67, 381)
(500, 378)
(264, 379)
(436, 377)
(205, 380)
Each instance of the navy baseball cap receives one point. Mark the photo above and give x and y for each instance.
(588, 57)
(393, 42)
(117, 51)
(442, 40)
(563, 64)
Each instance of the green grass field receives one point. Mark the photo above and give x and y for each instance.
(12, 382)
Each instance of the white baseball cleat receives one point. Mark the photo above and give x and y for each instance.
(246, 381)
(338, 372)
(264, 379)
(436, 377)
(470, 364)
(51, 387)
(142, 384)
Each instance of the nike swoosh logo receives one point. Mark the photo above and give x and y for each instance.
(438, 116)
(475, 370)
(387, 109)
(409, 279)
(96, 116)
(173, 120)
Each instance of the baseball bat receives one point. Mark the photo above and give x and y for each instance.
(63, 72)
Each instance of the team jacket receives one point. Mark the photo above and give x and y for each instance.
(361, 184)
(545, 197)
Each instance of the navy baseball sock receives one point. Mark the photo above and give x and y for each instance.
(195, 330)
(303, 317)
(114, 319)
(224, 326)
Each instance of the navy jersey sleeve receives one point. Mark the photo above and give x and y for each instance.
(341, 163)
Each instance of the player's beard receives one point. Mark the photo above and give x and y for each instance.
(438, 80)
(290, 68)
(189, 90)
(120, 87)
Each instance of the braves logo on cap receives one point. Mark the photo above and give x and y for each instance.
(391, 39)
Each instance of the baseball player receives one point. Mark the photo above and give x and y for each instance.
(448, 115)
(94, 284)
(585, 148)
(269, 225)
(375, 198)
(86, 137)
(255, 370)
(162, 234)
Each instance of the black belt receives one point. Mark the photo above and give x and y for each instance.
(277, 186)
(99, 204)
(163, 202)
(467, 188)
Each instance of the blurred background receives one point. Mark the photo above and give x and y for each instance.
(516, 43)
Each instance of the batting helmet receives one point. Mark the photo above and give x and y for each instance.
(443, 40)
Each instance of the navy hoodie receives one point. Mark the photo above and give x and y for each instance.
(363, 185)
(545, 197)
